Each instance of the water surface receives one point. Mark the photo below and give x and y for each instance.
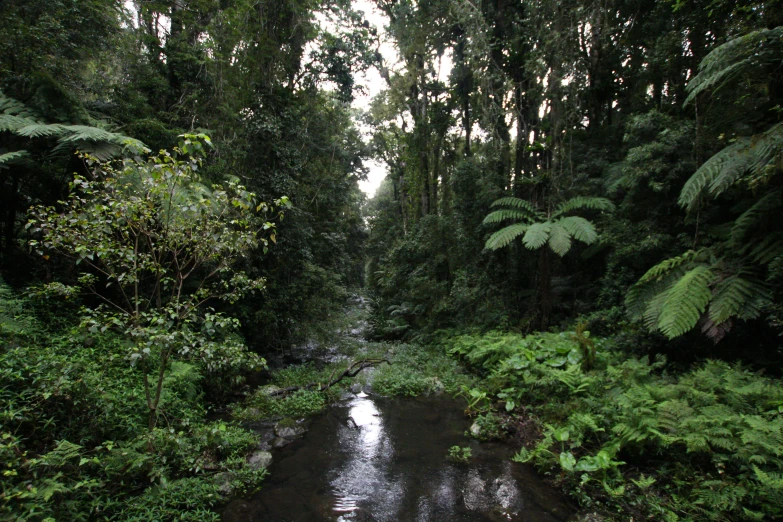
(384, 460)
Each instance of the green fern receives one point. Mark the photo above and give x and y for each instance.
(581, 202)
(735, 59)
(537, 235)
(685, 302)
(499, 216)
(557, 230)
(505, 236)
(559, 239)
(12, 157)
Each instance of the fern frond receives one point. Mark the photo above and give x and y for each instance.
(41, 130)
(685, 302)
(738, 296)
(746, 155)
(505, 235)
(666, 266)
(11, 157)
(751, 218)
(735, 58)
(504, 214)
(9, 122)
(537, 235)
(584, 202)
(517, 203)
(84, 133)
(727, 164)
(559, 239)
(580, 228)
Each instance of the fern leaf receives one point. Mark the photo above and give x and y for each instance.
(559, 240)
(666, 266)
(584, 202)
(537, 235)
(685, 302)
(580, 228)
(504, 214)
(11, 157)
(85, 133)
(766, 250)
(738, 296)
(751, 218)
(505, 235)
(710, 170)
(735, 58)
(11, 123)
(519, 204)
(41, 130)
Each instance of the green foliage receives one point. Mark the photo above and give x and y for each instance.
(557, 229)
(156, 246)
(460, 455)
(736, 58)
(74, 441)
(708, 442)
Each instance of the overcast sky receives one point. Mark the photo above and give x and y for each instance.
(373, 84)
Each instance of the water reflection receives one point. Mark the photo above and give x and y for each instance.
(384, 460)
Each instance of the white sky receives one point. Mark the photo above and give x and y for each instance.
(373, 84)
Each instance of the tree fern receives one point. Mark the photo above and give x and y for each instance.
(517, 203)
(12, 157)
(537, 235)
(559, 239)
(736, 58)
(505, 236)
(504, 214)
(685, 302)
(579, 228)
(750, 220)
(582, 202)
(738, 296)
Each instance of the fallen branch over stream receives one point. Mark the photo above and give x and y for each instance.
(352, 371)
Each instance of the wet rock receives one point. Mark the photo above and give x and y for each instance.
(223, 480)
(475, 430)
(289, 429)
(280, 442)
(259, 459)
(356, 387)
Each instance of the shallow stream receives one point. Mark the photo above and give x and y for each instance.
(377, 459)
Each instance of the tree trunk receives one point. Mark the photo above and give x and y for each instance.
(544, 290)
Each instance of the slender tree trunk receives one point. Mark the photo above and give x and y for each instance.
(544, 290)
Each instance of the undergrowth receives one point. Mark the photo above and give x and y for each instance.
(625, 436)
(74, 440)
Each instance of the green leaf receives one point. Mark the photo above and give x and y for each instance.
(559, 240)
(505, 236)
(567, 461)
(685, 302)
(537, 235)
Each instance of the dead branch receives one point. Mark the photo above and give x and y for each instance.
(352, 371)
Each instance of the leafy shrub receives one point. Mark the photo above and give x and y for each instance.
(74, 439)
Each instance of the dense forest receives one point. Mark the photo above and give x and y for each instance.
(579, 208)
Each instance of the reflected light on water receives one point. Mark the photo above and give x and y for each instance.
(362, 479)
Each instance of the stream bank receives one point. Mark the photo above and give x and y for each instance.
(379, 451)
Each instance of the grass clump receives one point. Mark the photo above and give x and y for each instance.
(416, 370)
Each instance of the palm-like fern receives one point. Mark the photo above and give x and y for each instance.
(23, 122)
(537, 229)
(726, 281)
